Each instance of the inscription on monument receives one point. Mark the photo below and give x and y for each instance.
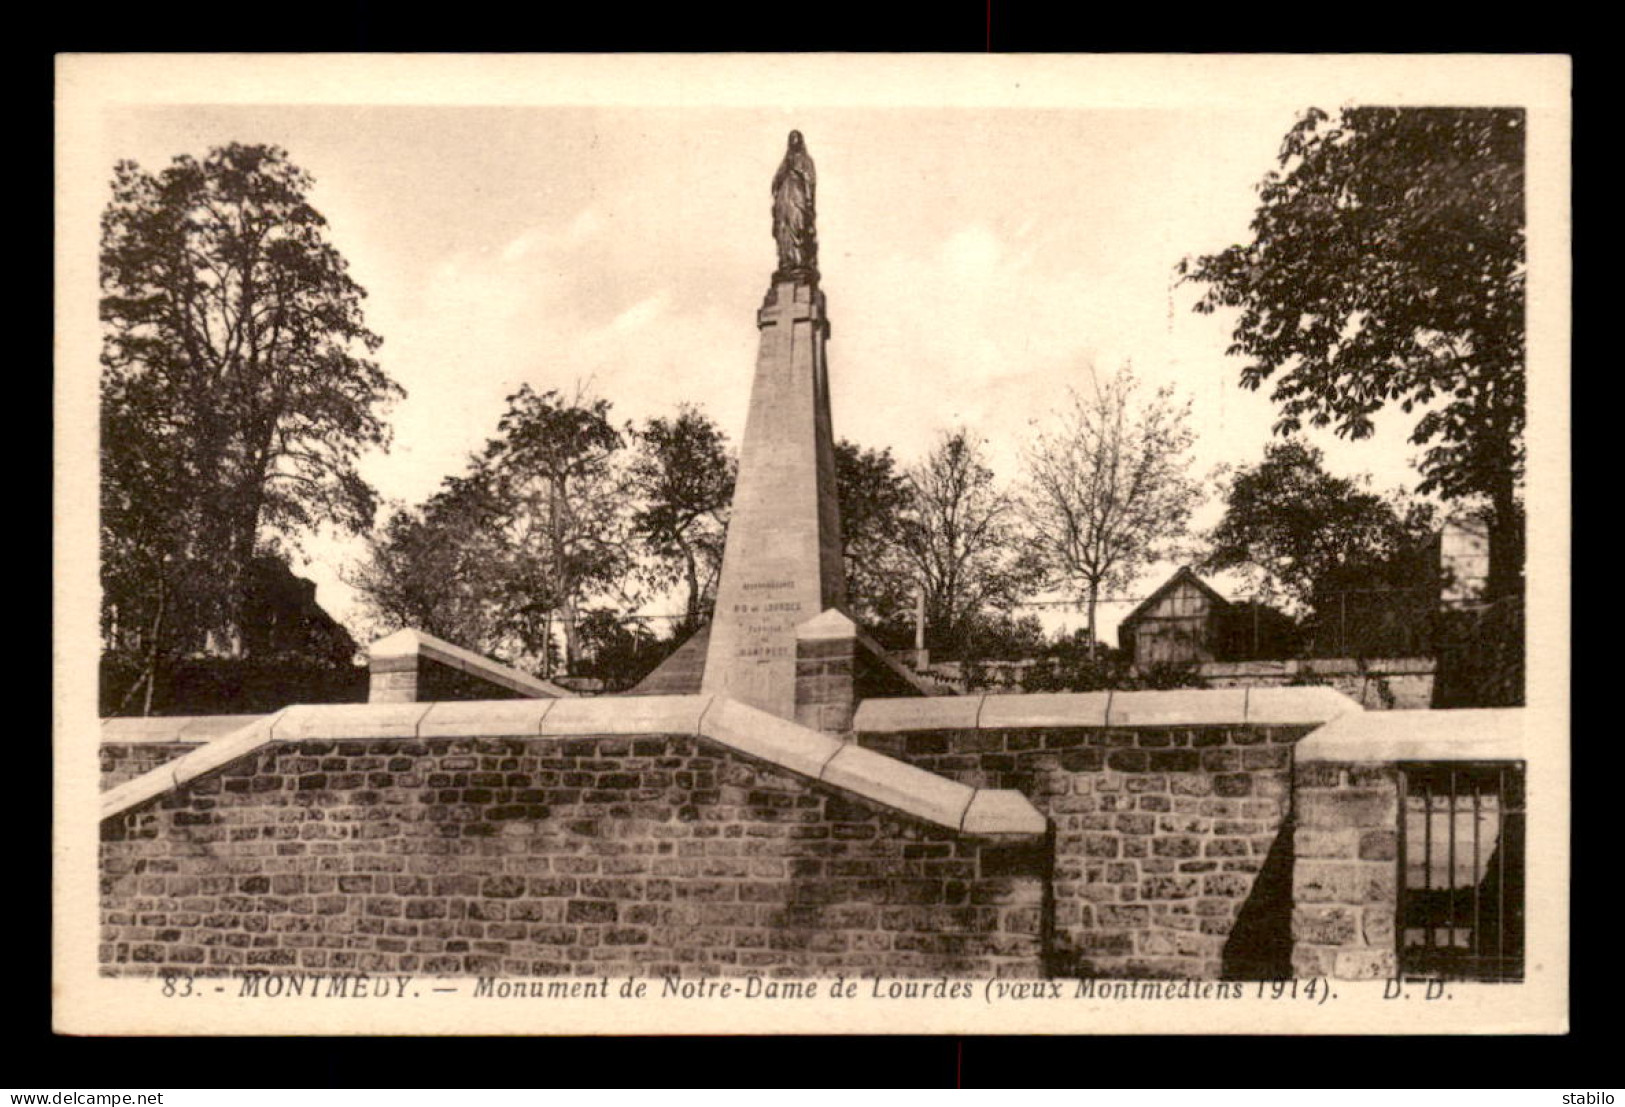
(758, 633)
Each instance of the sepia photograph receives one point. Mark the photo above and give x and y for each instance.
(886, 544)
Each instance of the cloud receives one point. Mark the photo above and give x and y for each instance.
(525, 244)
(586, 225)
(969, 331)
(639, 316)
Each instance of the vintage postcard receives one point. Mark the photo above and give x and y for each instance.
(809, 544)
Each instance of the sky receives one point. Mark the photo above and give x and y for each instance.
(978, 262)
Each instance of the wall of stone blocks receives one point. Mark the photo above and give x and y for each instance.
(1377, 684)
(1172, 844)
(1345, 876)
(121, 761)
(824, 683)
(548, 856)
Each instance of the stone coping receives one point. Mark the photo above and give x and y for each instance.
(747, 730)
(206, 758)
(1468, 734)
(410, 642)
(1306, 706)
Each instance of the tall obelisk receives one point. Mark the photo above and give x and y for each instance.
(782, 563)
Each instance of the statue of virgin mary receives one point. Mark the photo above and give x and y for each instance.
(794, 188)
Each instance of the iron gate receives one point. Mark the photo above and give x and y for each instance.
(1461, 870)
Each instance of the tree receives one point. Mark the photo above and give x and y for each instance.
(963, 539)
(565, 499)
(684, 476)
(237, 390)
(1002, 636)
(1387, 267)
(1109, 491)
(876, 503)
(537, 528)
(443, 568)
(1310, 531)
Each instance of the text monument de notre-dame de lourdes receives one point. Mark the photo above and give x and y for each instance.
(781, 567)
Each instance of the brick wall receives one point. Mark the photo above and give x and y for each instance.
(1172, 853)
(544, 856)
(1343, 883)
(121, 761)
(824, 682)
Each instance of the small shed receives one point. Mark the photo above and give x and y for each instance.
(1180, 623)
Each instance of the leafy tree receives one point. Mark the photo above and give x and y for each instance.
(684, 477)
(964, 541)
(442, 567)
(1311, 532)
(555, 463)
(876, 504)
(237, 391)
(538, 527)
(1001, 636)
(1109, 491)
(1387, 267)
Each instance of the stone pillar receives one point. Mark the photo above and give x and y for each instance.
(1344, 888)
(782, 564)
(392, 679)
(826, 657)
(410, 666)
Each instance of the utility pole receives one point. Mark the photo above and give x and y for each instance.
(921, 660)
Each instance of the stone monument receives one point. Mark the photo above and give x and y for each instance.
(780, 639)
(781, 567)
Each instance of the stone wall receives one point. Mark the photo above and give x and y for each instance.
(1143, 834)
(1172, 846)
(122, 761)
(826, 656)
(1343, 878)
(412, 666)
(1346, 785)
(1378, 684)
(546, 856)
(133, 746)
(1161, 835)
